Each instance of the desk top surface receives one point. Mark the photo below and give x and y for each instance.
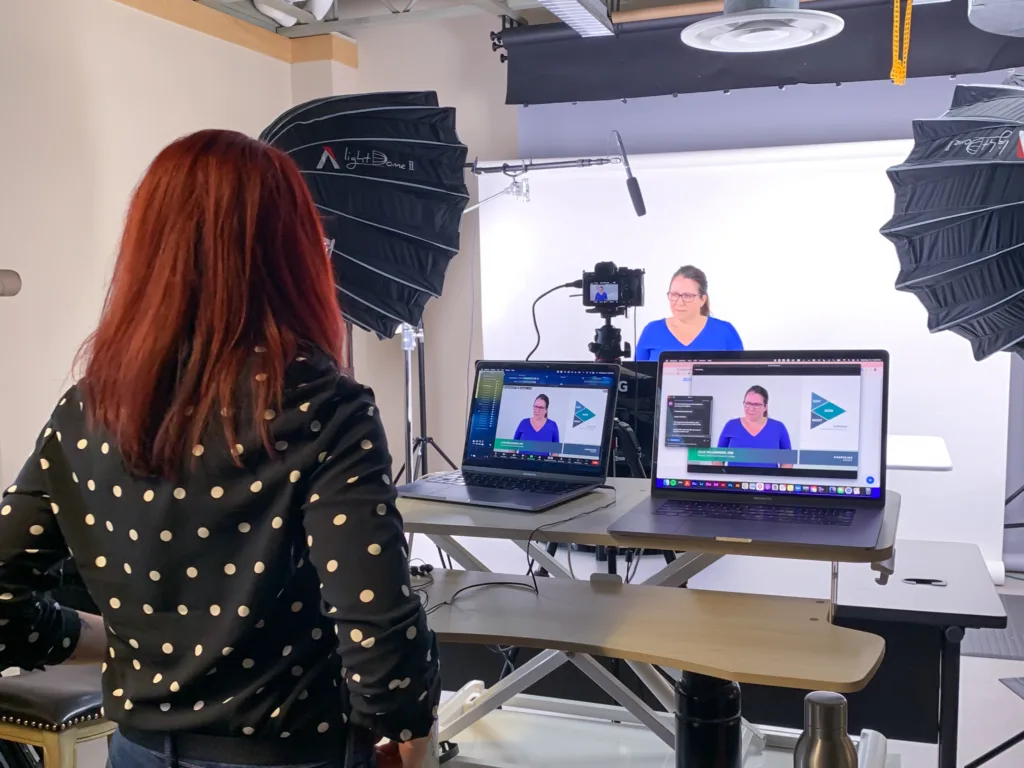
(969, 598)
(923, 453)
(779, 641)
(599, 510)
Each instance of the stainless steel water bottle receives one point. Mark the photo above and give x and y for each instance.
(824, 742)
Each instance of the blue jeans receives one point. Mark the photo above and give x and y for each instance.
(127, 754)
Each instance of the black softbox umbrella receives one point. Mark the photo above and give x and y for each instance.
(387, 172)
(958, 223)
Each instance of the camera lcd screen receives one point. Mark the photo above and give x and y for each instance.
(604, 293)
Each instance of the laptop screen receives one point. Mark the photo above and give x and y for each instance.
(542, 417)
(785, 423)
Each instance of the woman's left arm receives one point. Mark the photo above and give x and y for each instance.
(35, 631)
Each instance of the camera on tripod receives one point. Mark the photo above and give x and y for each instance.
(613, 289)
(609, 291)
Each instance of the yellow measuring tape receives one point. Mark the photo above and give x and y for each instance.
(899, 61)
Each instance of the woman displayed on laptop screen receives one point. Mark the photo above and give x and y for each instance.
(754, 429)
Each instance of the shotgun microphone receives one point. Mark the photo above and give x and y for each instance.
(631, 183)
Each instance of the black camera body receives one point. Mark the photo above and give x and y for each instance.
(609, 291)
(612, 288)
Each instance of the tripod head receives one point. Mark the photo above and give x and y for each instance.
(607, 346)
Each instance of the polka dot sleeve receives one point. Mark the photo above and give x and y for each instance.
(358, 546)
(34, 630)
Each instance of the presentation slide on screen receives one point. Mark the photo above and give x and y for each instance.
(745, 419)
(569, 423)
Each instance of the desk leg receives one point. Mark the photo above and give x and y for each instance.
(949, 695)
(709, 726)
(459, 553)
(682, 569)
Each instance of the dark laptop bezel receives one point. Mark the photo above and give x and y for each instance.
(581, 472)
(786, 498)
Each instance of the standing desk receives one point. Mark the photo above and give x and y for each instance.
(915, 695)
(776, 641)
(442, 522)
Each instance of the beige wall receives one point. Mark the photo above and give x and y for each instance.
(101, 88)
(455, 59)
(89, 96)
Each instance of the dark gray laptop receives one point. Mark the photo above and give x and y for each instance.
(785, 447)
(539, 434)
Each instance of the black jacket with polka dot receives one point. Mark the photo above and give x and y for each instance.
(267, 601)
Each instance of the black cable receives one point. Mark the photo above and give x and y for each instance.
(533, 309)
(1013, 496)
(530, 562)
(636, 384)
(535, 588)
(451, 600)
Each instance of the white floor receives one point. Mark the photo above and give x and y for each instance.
(989, 712)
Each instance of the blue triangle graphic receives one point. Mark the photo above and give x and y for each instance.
(823, 410)
(581, 414)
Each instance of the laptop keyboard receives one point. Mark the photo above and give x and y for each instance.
(508, 483)
(759, 513)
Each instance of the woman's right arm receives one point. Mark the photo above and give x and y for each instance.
(358, 546)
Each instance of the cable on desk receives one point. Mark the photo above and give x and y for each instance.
(451, 600)
(530, 562)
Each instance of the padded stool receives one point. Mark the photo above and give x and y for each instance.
(55, 709)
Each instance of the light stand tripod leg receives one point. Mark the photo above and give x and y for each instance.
(421, 458)
(429, 441)
(408, 344)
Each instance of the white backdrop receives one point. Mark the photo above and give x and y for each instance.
(789, 240)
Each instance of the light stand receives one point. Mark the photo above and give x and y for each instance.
(416, 447)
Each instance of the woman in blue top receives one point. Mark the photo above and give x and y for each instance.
(691, 326)
(538, 428)
(755, 429)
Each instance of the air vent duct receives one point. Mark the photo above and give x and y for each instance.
(1000, 17)
(756, 26)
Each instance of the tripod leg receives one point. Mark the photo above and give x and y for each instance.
(432, 442)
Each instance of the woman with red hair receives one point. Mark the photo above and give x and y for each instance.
(226, 493)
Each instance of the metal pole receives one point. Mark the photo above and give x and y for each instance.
(408, 344)
(422, 361)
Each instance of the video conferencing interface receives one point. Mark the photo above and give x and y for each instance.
(553, 418)
(803, 427)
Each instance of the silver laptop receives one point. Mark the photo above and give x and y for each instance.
(784, 447)
(539, 434)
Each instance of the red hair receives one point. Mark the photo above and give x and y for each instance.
(222, 258)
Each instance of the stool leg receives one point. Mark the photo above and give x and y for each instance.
(59, 750)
